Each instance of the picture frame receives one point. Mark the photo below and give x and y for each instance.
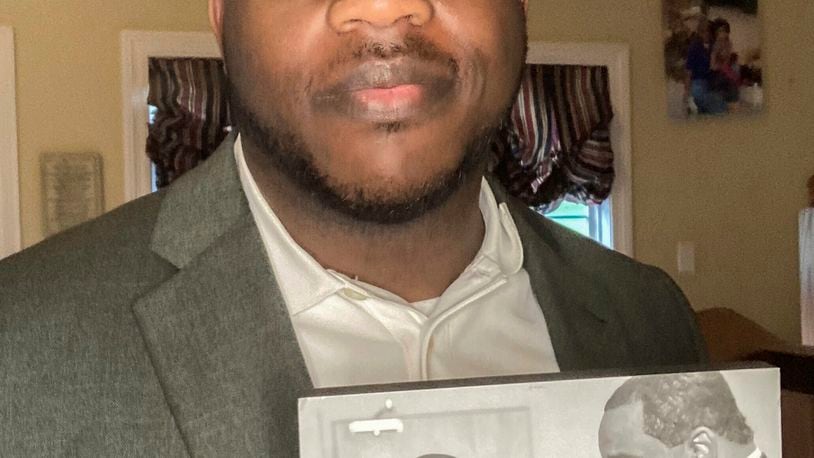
(72, 190)
(713, 58)
(565, 414)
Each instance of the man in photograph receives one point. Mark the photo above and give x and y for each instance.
(346, 234)
(683, 415)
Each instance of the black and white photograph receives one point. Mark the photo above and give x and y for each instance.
(710, 414)
(495, 432)
(691, 415)
(712, 52)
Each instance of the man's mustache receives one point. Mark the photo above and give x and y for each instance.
(413, 45)
(376, 64)
(389, 74)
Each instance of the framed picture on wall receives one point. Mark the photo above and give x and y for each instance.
(71, 190)
(712, 51)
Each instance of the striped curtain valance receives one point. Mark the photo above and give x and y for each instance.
(556, 142)
(190, 114)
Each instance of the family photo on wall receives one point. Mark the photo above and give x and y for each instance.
(712, 57)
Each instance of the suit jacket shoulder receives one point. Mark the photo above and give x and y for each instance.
(155, 330)
(76, 379)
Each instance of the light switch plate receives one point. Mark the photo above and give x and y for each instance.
(686, 258)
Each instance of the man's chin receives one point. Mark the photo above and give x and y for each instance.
(383, 204)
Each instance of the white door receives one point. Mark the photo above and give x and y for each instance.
(10, 240)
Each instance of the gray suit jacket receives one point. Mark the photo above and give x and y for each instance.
(158, 329)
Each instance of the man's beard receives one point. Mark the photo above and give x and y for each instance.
(288, 154)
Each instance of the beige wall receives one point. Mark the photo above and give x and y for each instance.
(732, 186)
(69, 82)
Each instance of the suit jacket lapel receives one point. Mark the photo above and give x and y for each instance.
(583, 330)
(218, 331)
(581, 333)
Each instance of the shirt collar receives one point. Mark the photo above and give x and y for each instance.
(304, 283)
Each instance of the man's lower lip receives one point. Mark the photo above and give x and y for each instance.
(389, 100)
(398, 104)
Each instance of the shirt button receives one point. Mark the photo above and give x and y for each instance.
(354, 295)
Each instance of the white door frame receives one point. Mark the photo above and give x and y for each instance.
(806, 245)
(10, 228)
(616, 57)
(137, 48)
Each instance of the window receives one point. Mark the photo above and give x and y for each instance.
(151, 112)
(613, 220)
(137, 47)
(593, 221)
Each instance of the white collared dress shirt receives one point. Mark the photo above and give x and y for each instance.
(486, 323)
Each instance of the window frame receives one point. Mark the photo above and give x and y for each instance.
(599, 219)
(616, 58)
(137, 47)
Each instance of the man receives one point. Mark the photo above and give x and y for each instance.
(345, 236)
(699, 68)
(685, 415)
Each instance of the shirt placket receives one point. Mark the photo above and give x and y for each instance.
(482, 281)
(404, 324)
